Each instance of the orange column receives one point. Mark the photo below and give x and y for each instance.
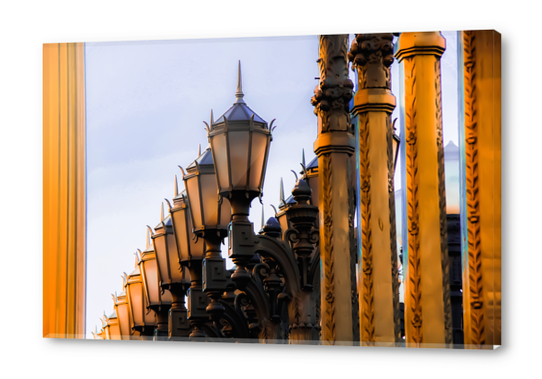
(428, 321)
(335, 146)
(378, 286)
(63, 191)
(480, 66)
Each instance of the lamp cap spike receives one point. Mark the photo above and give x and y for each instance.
(239, 93)
(176, 187)
(263, 217)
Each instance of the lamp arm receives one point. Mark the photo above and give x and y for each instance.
(256, 294)
(235, 320)
(284, 257)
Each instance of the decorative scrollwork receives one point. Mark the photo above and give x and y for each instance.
(292, 235)
(314, 236)
(448, 336)
(414, 269)
(261, 270)
(334, 90)
(475, 287)
(368, 326)
(327, 251)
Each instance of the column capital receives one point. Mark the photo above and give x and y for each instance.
(336, 142)
(333, 93)
(420, 43)
(372, 55)
(373, 99)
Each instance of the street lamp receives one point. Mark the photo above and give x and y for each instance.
(310, 175)
(191, 252)
(282, 215)
(173, 277)
(210, 217)
(189, 247)
(123, 315)
(240, 142)
(111, 327)
(158, 300)
(143, 320)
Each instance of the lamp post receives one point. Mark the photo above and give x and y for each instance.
(142, 319)
(210, 217)
(173, 277)
(158, 300)
(272, 300)
(310, 175)
(281, 215)
(239, 142)
(123, 315)
(111, 328)
(191, 251)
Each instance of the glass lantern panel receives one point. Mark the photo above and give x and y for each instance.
(179, 221)
(225, 212)
(197, 246)
(161, 257)
(149, 316)
(192, 189)
(174, 265)
(107, 333)
(220, 159)
(135, 291)
(238, 149)
(257, 159)
(114, 332)
(150, 278)
(209, 195)
(124, 320)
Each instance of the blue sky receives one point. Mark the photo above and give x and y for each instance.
(145, 105)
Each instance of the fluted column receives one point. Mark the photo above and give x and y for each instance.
(64, 209)
(334, 147)
(480, 67)
(428, 319)
(378, 286)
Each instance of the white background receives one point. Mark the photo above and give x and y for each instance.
(25, 26)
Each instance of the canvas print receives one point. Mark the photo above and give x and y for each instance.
(325, 190)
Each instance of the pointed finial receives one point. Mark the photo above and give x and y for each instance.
(212, 118)
(148, 238)
(239, 94)
(176, 187)
(303, 157)
(281, 202)
(199, 149)
(162, 212)
(263, 223)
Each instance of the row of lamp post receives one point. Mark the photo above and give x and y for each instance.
(272, 294)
